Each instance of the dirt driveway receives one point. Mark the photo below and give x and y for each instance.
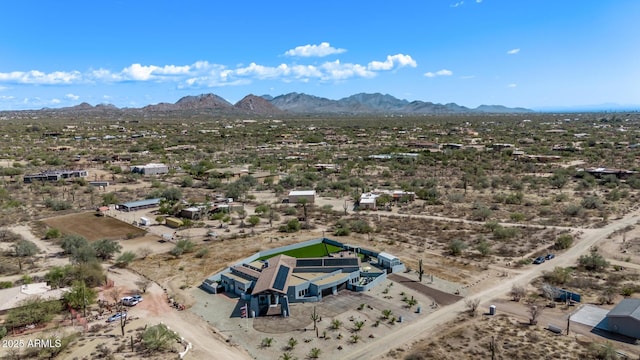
(154, 309)
(440, 297)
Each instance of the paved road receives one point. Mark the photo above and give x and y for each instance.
(430, 325)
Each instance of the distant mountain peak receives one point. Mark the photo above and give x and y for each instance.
(300, 103)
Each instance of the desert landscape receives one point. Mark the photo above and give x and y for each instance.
(470, 227)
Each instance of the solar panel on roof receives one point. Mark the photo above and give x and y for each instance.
(341, 262)
(281, 278)
(308, 262)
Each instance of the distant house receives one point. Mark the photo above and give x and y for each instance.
(624, 319)
(12, 297)
(55, 175)
(367, 202)
(139, 205)
(194, 212)
(150, 169)
(297, 196)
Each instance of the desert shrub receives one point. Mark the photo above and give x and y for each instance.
(52, 234)
(573, 210)
(591, 202)
(516, 216)
(202, 253)
(125, 258)
(57, 205)
(292, 225)
(563, 241)
(593, 262)
(505, 232)
(558, 276)
(457, 246)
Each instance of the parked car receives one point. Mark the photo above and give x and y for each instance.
(539, 260)
(549, 256)
(117, 316)
(129, 301)
(139, 298)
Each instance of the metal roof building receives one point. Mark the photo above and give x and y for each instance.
(139, 205)
(624, 319)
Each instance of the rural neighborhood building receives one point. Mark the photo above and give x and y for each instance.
(391, 262)
(55, 175)
(11, 298)
(270, 285)
(193, 213)
(297, 196)
(139, 205)
(368, 200)
(150, 169)
(624, 319)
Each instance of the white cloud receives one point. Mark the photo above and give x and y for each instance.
(398, 60)
(204, 74)
(478, 1)
(150, 72)
(512, 85)
(324, 49)
(513, 51)
(455, 5)
(443, 72)
(72, 96)
(55, 101)
(38, 77)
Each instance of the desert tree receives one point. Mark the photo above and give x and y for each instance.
(143, 284)
(593, 262)
(534, 313)
(125, 259)
(472, 306)
(80, 296)
(517, 292)
(158, 338)
(23, 249)
(106, 248)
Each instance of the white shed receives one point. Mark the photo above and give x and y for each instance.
(297, 196)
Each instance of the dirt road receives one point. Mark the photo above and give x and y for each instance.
(206, 342)
(48, 247)
(429, 325)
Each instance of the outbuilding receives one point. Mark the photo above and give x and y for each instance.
(298, 196)
(624, 319)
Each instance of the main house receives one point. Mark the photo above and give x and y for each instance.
(269, 285)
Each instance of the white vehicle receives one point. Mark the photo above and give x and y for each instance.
(129, 301)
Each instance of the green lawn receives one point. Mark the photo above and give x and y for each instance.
(311, 251)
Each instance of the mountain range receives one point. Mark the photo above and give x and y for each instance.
(297, 103)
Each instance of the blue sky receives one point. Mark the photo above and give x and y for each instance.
(538, 54)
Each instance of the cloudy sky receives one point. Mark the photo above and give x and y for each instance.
(531, 53)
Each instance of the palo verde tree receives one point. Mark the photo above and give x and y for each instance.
(24, 248)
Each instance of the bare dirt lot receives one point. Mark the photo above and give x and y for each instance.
(94, 227)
